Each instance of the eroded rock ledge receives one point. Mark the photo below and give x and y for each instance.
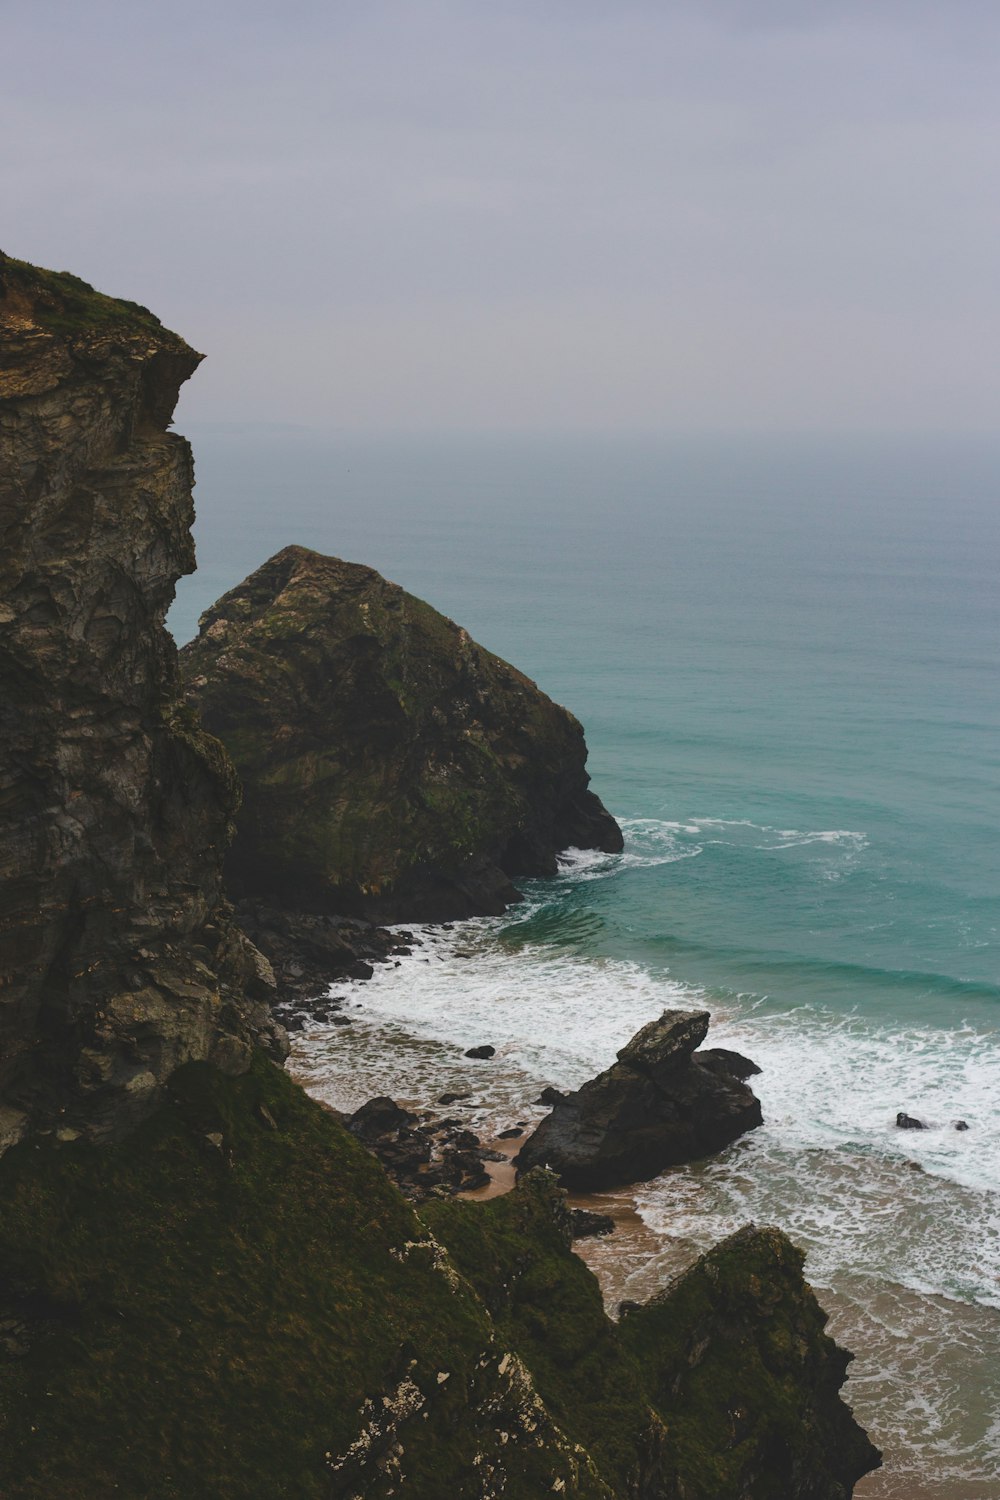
(391, 767)
(118, 957)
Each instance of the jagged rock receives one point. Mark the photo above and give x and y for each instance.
(549, 1095)
(482, 1053)
(391, 767)
(732, 1064)
(656, 1107)
(119, 959)
(437, 1156)
(961, 1125)
(309, 952)
(721, 1347)
(379, 1117)
(908, 1122)
(586, 1223)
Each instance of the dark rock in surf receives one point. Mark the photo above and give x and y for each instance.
(309, 952)
(586, 1223)
(907, 1122)
(482, 1052)
(550, 1096)
(961, 1125)
(656, 1107)
(722, 1060)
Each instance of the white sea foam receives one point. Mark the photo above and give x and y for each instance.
(649, 842)
(901, 1228)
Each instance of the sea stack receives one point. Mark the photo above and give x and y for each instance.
(391, 767)
(659, 1105)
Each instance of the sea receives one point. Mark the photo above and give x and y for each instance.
(784, 651)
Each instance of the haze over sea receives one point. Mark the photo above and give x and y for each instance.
(784, 654)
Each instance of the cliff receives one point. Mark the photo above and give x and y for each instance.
(391, 767)
(235, 1303)
(209, 1290)
(118, 958)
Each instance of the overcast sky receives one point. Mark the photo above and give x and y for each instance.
(555, 214)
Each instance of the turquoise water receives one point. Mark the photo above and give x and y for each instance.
(777, 637)
(785, 657)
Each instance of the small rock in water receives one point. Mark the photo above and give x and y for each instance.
(510, 1135)
(550, 1096)
(451, 1097)
(961, 1125)
(484, 1051)
(907, 1122)
(342, 1021)
(586, 1223)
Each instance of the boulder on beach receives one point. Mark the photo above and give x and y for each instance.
(659, 1105)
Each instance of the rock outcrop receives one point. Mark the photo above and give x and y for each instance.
(235, 1302)
(657, 1106)
(391, 767)
(118, 957)
(208, 1287)
(717, 1348)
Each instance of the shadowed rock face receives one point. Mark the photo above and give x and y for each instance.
(656, 1107)
(736, 1361)
(391, 767)
(118, 960)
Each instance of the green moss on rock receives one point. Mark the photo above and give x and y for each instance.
(204, 1309)
(390, 765)
(235, 1303)
(738, 1364)
(66, 304)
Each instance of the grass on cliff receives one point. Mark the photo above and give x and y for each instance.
(547, 1305)
(201, 1311)
(206, 1318)
(64, 303)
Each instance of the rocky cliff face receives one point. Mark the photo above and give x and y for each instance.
(391, 767)
(118, 958)
(230, 1299)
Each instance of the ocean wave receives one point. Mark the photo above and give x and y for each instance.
(650, 842)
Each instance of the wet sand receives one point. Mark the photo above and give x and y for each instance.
(634, 1263)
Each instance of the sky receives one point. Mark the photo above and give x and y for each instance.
(555, 215)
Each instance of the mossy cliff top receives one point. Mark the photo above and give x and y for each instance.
(391, 766)
(236, 1304)
(49, 320)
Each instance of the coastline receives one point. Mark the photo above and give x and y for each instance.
(888, 1379)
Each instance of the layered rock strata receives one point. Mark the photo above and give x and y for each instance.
(118, 957)
(391, 767)
(659, 1105)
